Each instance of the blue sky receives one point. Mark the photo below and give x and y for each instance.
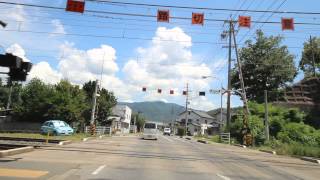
(122, 50)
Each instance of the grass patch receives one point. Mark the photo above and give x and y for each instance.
(298, 150)
(74, 137)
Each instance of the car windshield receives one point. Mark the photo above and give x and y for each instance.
(59, 124)
(150, 126)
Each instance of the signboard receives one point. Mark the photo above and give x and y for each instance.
(163, 16)
(144, 89)
(171, 91)
(197, 18)
(287, 24)
(159, 91)
(244, 21)
(75, 6)
(202, 93)
(184, 93)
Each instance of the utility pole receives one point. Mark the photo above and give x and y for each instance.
(313, 60)
(229, 78)
(266, 121)
(187, 101)
(247, 137)
(93, 110)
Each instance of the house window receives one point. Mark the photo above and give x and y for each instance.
(189, 120)
(189, 112)
(183, 120)
(205, 121)
(198, 120)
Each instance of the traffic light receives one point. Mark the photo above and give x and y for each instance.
(18, 69)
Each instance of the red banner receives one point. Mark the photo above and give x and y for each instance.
(197, 18)
(287, 24)
(244, 21)
(75, 6)
(163, 16)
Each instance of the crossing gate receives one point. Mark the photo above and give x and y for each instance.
(100, 130)
(225, 137)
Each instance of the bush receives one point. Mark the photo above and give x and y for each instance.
(299, 133)
(181, 131)
(298, 150)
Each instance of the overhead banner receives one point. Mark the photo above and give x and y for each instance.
(198, 18)
(244, 21)
(163, 16)
(287, 23)
(75, 6)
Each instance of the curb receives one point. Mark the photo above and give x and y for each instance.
(202, 141)
(16, 151)
(239, 145)
(267, 151)
(310, 159)
(64, 143)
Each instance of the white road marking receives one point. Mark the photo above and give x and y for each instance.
(223, 177)
(167, 139)
(98, 170)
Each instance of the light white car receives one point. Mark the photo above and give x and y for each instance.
(167, 131)
(150, 131)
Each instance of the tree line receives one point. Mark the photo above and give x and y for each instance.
(37, 101)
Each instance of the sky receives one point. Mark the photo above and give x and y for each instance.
(126, 53)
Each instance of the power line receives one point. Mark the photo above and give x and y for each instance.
(206, 8)
(152, 16)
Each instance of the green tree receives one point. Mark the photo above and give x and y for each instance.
(68, 103)
(105, 101)
(36, 99)
(310, 49)
(266, 65)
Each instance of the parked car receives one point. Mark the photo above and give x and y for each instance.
(150, 131)
(56, 127)
(167, 131)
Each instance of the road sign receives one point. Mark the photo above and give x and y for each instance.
(75, 6)
(197, 18)
(287, 24)
(163, 16)
(244, 21)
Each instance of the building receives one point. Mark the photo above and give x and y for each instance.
(120, 119)
(199, 122)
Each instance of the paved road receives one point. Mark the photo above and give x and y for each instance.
(168, 158)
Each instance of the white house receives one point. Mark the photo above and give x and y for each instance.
(120, 119)
(199, 122)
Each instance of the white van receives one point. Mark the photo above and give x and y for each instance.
(150, 131)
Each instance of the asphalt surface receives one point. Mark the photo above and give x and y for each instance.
(165, 159)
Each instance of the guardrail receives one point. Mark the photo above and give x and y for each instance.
(225, 137)
(99, 130)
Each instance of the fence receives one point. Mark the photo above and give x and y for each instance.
(99, 130)
(225, 137)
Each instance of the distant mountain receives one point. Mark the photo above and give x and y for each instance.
(156, 110)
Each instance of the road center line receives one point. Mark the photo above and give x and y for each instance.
(98, 170)
(167, 139)
(223, 177)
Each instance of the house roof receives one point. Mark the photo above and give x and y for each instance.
(202, 114)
